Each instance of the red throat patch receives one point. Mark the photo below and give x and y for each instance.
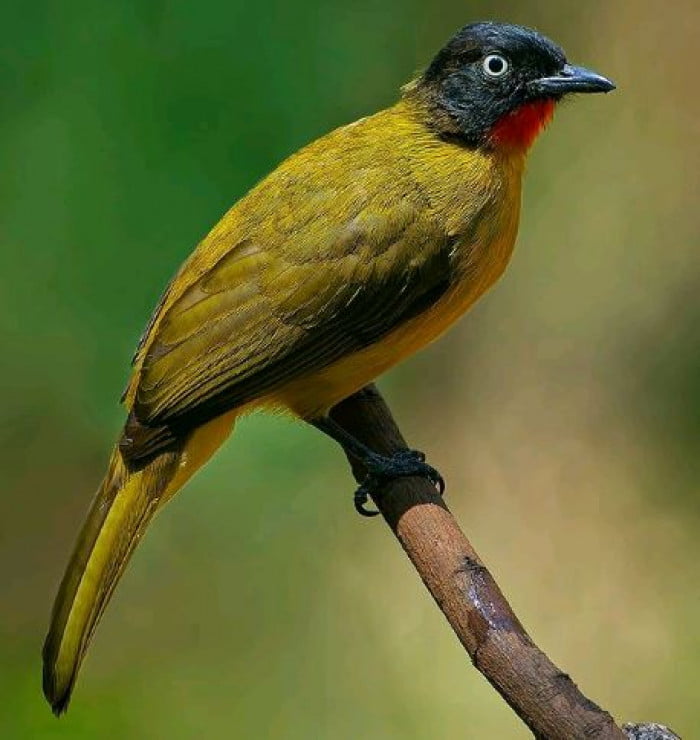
(519, 128)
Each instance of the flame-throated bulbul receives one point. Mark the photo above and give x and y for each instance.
(358, 250)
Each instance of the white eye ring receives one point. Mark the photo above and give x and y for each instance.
(495, 65)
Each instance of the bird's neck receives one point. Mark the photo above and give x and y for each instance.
(472, 192)
(461, 180)
(515, 131)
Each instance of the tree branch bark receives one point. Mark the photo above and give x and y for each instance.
(543, 696)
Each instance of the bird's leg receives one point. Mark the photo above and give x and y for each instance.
(381, 469)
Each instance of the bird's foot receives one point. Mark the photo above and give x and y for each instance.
(383, 469)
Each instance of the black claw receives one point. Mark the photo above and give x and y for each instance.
(439, 482)
(361, 498)
(382, 469)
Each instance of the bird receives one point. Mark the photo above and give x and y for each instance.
(358, 250)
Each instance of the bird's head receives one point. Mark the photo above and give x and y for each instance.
(495, 84)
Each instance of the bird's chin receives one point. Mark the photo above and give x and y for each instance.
(519, 128)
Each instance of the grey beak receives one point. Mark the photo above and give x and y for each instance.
(571, 79)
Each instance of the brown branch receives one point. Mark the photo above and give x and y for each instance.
(542, 695)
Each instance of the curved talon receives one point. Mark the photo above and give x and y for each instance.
(439, 482)
(361, 498)
(382, 470)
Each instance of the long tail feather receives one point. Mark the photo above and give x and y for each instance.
(120, 513)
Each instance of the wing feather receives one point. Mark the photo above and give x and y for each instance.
(274, 294)
(244, 341)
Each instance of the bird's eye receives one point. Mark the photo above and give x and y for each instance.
(495, 65)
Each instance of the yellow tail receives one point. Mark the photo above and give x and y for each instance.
(123, 507)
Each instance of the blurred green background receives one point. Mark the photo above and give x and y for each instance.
(563, 411)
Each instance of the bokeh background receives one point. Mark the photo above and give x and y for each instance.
(563, 410)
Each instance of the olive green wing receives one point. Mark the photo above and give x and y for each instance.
(263, 315)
